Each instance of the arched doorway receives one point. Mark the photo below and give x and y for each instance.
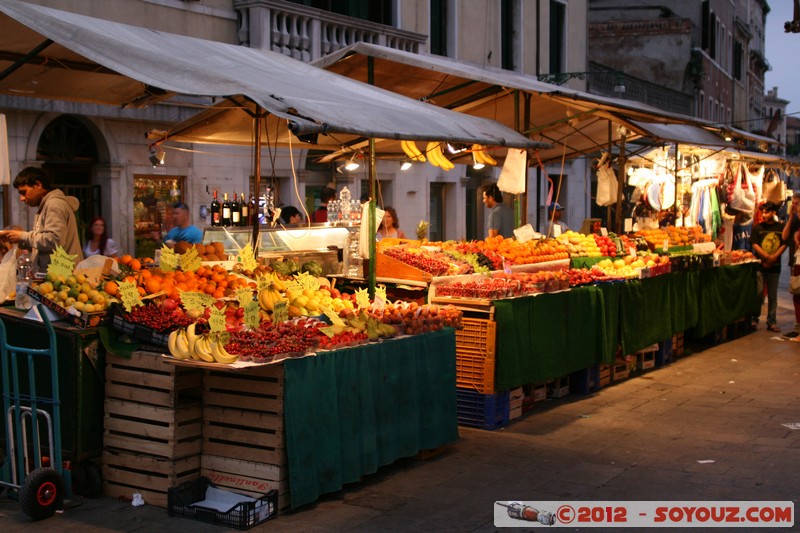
(69, 152)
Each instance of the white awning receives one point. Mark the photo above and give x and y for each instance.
(100, 61)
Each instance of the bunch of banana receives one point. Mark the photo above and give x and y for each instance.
(411, 150)
(277, 282)
(482, 156)
(186, 344)
(267, 297)
(436, 157)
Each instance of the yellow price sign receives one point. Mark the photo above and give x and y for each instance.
(252, 315)
(196, 300)
(362, 298)
(216, 321)
(263, 282)
(333, 316)
(129, 295)
(247, 257)
(190, 261)
(244, 295)
(280, 313)
(169, 259)
(307, 281)
(294, 285)
(328, 330)
(61, 263)
(380, 296)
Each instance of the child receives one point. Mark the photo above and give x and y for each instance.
(768, 245)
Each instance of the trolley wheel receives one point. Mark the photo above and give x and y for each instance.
(42, 493)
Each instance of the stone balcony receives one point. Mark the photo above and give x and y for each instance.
(307, 34)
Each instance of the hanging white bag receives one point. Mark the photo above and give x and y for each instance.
(606, 185)
(512, 177)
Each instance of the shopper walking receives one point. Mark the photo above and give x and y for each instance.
(768, 245)
(791, 236)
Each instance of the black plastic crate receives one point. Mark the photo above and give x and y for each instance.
(181, 502)
(484, 411)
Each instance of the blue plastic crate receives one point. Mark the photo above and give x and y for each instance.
(483, 411)
(584, 381)
(664, 353)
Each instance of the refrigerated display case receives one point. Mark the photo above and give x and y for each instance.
(317, 242)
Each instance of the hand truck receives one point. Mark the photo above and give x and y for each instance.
(39, 482)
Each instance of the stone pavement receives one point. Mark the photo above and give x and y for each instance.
(642, 439)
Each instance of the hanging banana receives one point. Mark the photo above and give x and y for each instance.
(482, 156)
(411, 150)
(436, 157)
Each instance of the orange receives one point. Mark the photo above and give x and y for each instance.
(111, 288)
(135, 265)
(152, 285)
(209, 288)
(125, 259)
(141, 291)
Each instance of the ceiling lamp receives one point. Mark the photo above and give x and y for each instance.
(475, 164)
(352, 164)
(157, 155)
(405, 165)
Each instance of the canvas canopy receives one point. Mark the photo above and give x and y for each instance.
(574, 122)
(48, 53)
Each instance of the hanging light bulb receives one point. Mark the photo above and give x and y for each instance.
(475, 164)
(352, 164)
(405, 165)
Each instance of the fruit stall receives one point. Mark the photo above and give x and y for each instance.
(255, 370)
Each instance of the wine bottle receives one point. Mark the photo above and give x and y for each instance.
(226, 210)
(236, 212)
(253, 212)
(245, 219)
(216, 218)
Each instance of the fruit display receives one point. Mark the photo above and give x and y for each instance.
(213, 251)
(675, 236)
(580, 245)
(74, 292)
(501, 285)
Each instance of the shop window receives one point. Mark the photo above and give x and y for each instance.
(438, 27)
(558, 30)
(436, 227)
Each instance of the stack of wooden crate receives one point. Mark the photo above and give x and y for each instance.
(153, 426)
(244, 446)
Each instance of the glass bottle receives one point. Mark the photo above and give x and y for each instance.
(216, 218)
(236, 212)
(226, 210)
(244, 219)
(253, 210)
(24, 275)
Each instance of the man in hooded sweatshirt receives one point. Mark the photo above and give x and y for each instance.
(54, 223)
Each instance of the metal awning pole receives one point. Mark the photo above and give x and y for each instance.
(257, 176)
(373, 249)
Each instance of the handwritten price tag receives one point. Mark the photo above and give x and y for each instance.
(380, 297)
(263, 282)
(129, 295)
(280, 313)
(216, 321)
(362, 298)
(247, 257)
(190, 261)
(169, 259)
(252, 316)
(307, 281)
(244, 296)
(333, 316)
(61, 263)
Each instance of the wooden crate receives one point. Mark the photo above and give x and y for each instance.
(603, 376)
(645, 360)
(246, 477)
(677, 345)
(620, 371)
(153, 430)
(243, 415)
(147, 378)
(125, 473)
(558, 388)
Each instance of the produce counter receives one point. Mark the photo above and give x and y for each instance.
(349, 412)
(551, 335)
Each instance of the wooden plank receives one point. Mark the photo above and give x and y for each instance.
(240, 437)
(270, 472)
(246, 419)
(222, 449)
(265, 386)
(267, 405)
(153, 413)
(167, 450)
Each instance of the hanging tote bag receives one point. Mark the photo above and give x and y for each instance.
(743, 198)
(774, 188)
(606, 186)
